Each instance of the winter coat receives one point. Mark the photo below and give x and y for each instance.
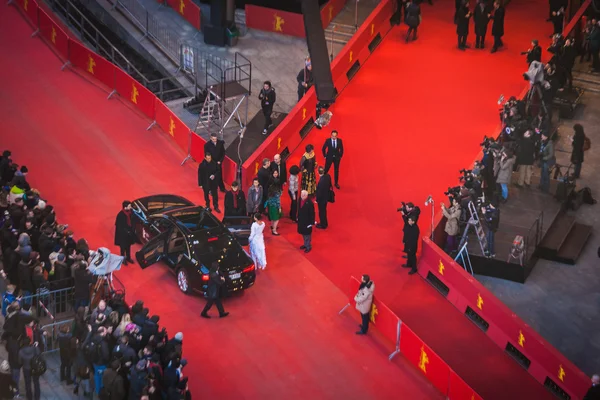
(498, 24)
(505, 171)
(526, 152)
(462, 21)
(412, 15)
(83, 279)
(481, 19)
(113, 381)
(577, 154)
(306, 217)
(252, 204)
(123, 232)
(452, 215)
(364, 298)
(25, 273)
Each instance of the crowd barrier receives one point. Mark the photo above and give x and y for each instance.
(285, 22)
(73, 53)
(546, 364)
(407, 343)
(189, 10)
(290, 133)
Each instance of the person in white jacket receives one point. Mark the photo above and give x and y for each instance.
(364, 300)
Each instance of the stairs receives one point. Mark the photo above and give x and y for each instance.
(565, 239)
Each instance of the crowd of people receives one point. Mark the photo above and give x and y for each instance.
(112, 350)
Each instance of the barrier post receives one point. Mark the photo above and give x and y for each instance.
(189, 154)
(397, 341)
(68, 62)
(37, 22)
(114, 91)
(344, 309)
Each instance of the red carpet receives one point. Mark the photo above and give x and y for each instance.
(284, 338)
(412, 117)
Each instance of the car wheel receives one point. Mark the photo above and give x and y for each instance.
(183, 281)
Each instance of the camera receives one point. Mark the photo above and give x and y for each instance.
(403, 208)
(453, 191)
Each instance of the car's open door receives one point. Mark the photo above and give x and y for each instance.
(152, 251)
(240, 227)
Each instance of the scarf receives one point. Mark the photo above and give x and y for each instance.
(235, 199)
(310, 155)
(128, 215)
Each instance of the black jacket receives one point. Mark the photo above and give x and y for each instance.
(462, 21)
(267, 98)
(526, 151)
(205, 170)
(411, 238)
(264, 176)
(331, 153)
(412, 15)
(83, 280)
(498, 24)
(281, 168)
(217, 151)
(214, 285)
(481, 18)
(302, 75)
(306, 217)
(593, 393)
(230, 211)
(414, 213)
(577, 154)
(113, 381)
(123, 232)
(25, 273)
(323, 188)
(535, 54)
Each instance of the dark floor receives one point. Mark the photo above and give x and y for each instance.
(561, 301)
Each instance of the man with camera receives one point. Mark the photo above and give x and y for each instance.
(547, 160)
(267, 100)
(411, 242)
(304, 79)
(525, 158)
(491, 216)
(534, 53)
(408, 211)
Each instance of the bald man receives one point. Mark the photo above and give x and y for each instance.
(593, 392)
(279, 165)
(306, 220)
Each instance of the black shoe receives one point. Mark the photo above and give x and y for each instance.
(404, 256)
(494, 49)
(130, 261)
(461, 48)
(203, 315)
(360, 333)
(217, 210)
(477, 45)
(412, 271)
(125, 262)
(307, 250)
(319, 226)
(223, 315)
(405, 266)
(337, 186)
(302, 247)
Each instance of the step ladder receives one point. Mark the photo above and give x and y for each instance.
(210, 114)
(474, 223)
(463, 258)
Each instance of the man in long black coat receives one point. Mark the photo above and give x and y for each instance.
(481, 17)
(304, 79)
(462, 24)
(235, 201)
(124, 236)
(215, 281)
(207, 179)
(216, 148)
(498, 26)
(411, 243)
(306, 220)
(323, 188)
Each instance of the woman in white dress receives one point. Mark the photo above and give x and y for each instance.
(257, 242)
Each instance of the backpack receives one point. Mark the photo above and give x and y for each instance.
(38, 365)
(587, 143)
(92, 351)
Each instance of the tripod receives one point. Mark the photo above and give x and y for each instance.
(536, 89)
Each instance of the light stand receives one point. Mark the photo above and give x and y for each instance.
(431, 202)
(356, 15)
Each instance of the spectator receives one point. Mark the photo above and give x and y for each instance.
(113, 386)
(66, 354)
(505, 170)
(578, 144)
(364, 300)
(83, 280)
(8, 298)
(235, 201)
(547, 161)
(26, 354)
(102, 308)
(255, 196)
(8, 388)
(25, 271)
(137, 379)
(98, 353)
(452, 215)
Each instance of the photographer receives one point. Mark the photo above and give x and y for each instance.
(267, 100)
(547, 160)
(534, 53)
(408, 210)
(505, 169)
(491, 216)
(525, 158)
(304, 79)
(452, 215)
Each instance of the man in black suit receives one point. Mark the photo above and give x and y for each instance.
(481, 16)
(306, 219)
(235, 201)
(411, 242)
(216, 148)
(534, 53)
(323, 189)
(279, 165)
(593, 392)
(498, 25)
(264, 176)
(267, 100)
(408, 210)
(462, 24)
(215, 281)
(333, 150)
(207, 179)
(124, 236)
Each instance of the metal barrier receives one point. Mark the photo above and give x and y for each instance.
(50, 335)
(534, 235)
(50, 303)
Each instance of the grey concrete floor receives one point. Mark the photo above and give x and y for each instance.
(560, 301)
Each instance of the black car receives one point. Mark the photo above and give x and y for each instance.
(189, 238)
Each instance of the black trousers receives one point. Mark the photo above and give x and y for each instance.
(462, 41)
(364, 327)
(336, 167)
(126, 251)
(413, 31)
(411, 259)
(209, 304)
(293, 206)
(65, 370)
(219, 178)
(267, 111)
(498, 42)
(480, 41)
(323, 214)
(212, 191)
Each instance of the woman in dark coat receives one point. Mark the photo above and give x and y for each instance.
(412, 19)
(124, 232)
(306, 220)
(462, 24)
(498, 25)
(482, 18)
(577, 154)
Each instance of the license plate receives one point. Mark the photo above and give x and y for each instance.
(235, 276)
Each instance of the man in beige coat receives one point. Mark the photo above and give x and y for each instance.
(452, 215)
(364, 300)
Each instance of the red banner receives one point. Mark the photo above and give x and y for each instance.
(135, 93)
(30, 9)
(90, 62)
(188, 10)
(330, 10)
(53, 34)
(172, 125)
(268, 19)
(459, 390)
(429, 363)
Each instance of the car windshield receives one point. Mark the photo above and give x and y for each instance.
(196, 219)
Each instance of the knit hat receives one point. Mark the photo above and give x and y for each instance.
(179, 337)
(24, 169)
